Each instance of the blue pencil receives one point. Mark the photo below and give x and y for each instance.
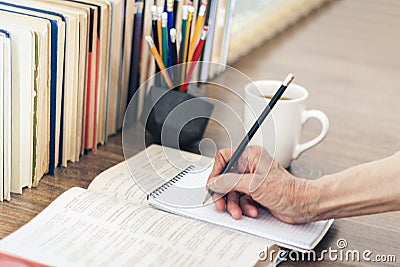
(170, 11)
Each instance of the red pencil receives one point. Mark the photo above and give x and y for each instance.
(195, 58)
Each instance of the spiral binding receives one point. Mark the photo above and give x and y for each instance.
(156, 193)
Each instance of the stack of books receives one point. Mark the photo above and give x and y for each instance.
(67, 71)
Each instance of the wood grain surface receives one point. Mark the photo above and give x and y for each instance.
(347, 55)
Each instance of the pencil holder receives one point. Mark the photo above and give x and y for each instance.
(175, 119)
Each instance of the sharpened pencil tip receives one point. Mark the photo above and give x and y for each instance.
(289, 78)
(209, 194)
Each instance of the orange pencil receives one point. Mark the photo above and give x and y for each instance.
(159, 61)
(159, 27)
(199, 24)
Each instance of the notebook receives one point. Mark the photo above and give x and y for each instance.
(184, 195)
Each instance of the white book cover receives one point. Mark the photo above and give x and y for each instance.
(5, 92)
(2, 37)
(23, 47)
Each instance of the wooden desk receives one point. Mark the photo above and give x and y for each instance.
(347, 56)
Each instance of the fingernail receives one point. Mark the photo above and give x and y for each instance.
(253, 213)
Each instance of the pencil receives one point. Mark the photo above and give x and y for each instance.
(187, 38)
(159, 28)
(154, 25)
(184, 23)
(164, 35)
(159, 62)
(187, 30)
(239, 150)
(199, 24)
(172, 33)
(170, 10)
(174, 70)
(176, 5)
(196, 57)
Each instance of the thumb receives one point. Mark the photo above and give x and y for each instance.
(228, 182)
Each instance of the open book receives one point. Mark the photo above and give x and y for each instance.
(112, 222)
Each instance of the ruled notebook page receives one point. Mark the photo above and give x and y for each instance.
(185, 195)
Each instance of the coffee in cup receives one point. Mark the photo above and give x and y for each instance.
(280, 133)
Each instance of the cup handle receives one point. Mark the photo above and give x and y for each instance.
(300, 148)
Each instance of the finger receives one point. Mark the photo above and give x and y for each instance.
(244, 160)
(251, 159)
(231, 182)
(219, 202)
(220, 162)
(232, 205)
(248, 207)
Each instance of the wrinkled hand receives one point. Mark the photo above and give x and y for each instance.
(259, 180)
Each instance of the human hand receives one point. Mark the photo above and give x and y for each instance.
(259, 180)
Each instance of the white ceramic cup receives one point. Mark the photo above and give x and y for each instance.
(280, 133)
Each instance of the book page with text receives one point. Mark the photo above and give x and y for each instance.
(81, 228)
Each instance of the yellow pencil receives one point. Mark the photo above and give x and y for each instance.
(158, 59)
(187, 38)
(187, 35)
(159, 27)
(196, 34)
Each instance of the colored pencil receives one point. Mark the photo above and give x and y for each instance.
(174, 51)
(199, 25)
(196, 57)
(159, 28)
(187, 32)
(185, 13)
(159, 62)
(174, 70)
(187, 38)
(164, 34)
(170, 10)
(176, 6)
(154, 28)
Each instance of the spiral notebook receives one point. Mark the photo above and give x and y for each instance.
(184, 194)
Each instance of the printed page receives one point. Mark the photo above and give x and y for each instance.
(81, 228)
(118, 183)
